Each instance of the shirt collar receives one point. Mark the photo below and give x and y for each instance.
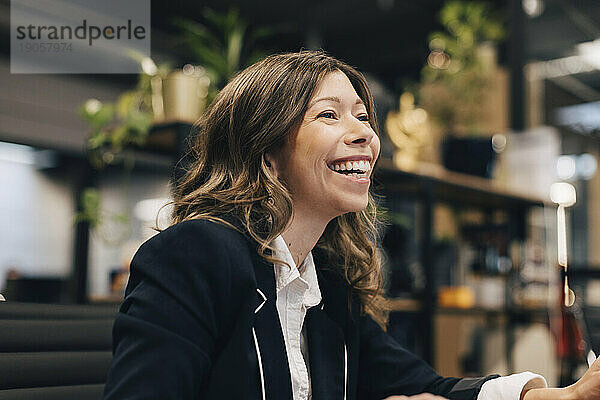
(284, 275)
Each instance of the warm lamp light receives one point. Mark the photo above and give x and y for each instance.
(563, 194)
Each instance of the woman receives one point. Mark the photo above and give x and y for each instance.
(267, 286)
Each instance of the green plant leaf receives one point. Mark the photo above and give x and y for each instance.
(98, 140)
(103, 116)
(195, 31)
(234, 50)
(125, 103)
(90, 207)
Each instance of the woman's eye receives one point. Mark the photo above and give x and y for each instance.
(327, 114)
(363, 118)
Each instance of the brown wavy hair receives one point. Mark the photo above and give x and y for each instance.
(228, 176)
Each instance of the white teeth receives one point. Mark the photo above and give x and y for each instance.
(362, 166)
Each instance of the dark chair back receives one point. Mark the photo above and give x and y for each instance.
(50, 351)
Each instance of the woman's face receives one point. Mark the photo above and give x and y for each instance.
(327, 164)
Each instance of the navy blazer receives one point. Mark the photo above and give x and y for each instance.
(199, 321)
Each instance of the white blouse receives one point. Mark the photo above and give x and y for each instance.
(298, 290)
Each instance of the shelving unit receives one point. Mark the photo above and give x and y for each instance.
(428, 186)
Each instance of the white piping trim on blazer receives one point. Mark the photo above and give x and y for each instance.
(345, 370)
(260, 366)
(264, 300)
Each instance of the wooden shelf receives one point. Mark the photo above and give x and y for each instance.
(165, 136)
(108, 299)
(399, 304)
(450, 186)
(519, 311)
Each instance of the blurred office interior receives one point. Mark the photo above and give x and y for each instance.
(481, 119)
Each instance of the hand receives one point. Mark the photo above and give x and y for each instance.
(422, 396)
(588, 386)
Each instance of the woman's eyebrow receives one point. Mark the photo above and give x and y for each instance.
(334, 99)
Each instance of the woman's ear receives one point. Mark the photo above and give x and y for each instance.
(271, 163)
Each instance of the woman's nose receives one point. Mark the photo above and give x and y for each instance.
(359, 133)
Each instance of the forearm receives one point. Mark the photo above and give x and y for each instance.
(548, 394)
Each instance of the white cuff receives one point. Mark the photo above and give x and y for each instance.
(510, 387)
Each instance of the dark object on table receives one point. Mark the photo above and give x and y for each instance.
(473, 156)
(36, 290)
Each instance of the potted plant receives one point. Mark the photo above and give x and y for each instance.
(457, 79)
(223, 44)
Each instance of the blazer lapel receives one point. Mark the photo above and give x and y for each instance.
(268, 333)
(326, 342)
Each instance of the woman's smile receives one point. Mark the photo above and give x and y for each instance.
(354, 168)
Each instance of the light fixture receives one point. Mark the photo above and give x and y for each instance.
(564, 195)
(586, 166)
(566, 167)
(499, 142)
(92, 106)
(533, 8)
(572, 166)
(148, 66)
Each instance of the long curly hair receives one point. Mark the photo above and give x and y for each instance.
(228, 175)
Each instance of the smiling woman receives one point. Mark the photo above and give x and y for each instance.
(334, 132)
(268, 285)
(274, 119)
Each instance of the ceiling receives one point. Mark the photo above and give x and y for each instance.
(385, 38)
(556, 33)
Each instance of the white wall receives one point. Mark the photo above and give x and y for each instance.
(110, 246)
(36, 221)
